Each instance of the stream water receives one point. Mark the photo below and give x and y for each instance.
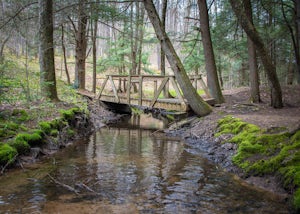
(130, 169)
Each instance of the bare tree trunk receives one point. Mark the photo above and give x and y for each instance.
(81, 45)
(297, 50)
(162, 53)
(199, 106)
(46, 51)
(276, 94)
(210, 64)
(2, 49)
(141, 37)
(94, 29)
(64, 54)
(252, 60)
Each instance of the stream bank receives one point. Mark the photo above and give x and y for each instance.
(282, 175)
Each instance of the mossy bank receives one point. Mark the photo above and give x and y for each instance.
(21, 141)
(262, 152)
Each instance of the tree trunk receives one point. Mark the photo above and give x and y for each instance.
(199, 106)
(2, 49)
(81, 44)
(162, 53)
(210, 64)
(46, 51)
(94, 30)
(297, 55)
(276, 94)
(252, 60)
(140, 38)
(64, 54)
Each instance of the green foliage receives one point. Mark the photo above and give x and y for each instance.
(7, 153)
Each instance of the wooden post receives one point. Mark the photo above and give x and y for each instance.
(155, 87)
(156, 95)
(114, 88)
(102, 88)
(140, 90)
(179, 95)
(204, 88)
(128, 88)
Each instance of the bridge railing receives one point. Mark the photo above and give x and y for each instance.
(138, 87)
(145, 90)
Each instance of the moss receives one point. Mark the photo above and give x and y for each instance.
(70, 113)
(8, 129)
(296, 200)
(20, 115)
(33, 139)
(262, 152)
(54, 132)
(58, 123)
(70, 132)
(21, 146)
(231, 125)
(7, 153)
(45, 126)
(296, 137)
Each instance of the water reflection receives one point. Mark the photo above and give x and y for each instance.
(161, 175)
(130, 170)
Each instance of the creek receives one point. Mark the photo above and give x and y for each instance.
(131, 168)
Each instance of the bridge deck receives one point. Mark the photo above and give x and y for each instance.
(163, 103)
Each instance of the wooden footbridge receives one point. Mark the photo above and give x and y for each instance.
(147, 91)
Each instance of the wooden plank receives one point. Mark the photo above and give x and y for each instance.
(177, 90)
(102, 88)
(204, 88)
(114, 88)
(162, 85)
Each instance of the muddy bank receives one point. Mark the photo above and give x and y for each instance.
(199, 133)
(25, 141)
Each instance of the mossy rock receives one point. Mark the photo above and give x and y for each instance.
(7, 153)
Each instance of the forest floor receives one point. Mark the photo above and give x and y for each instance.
(201, 132)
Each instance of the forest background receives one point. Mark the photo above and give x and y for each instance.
(93, 38)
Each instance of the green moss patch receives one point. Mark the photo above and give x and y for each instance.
(262, 152)
(70, 113)
(7, 154)
(33, 139)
